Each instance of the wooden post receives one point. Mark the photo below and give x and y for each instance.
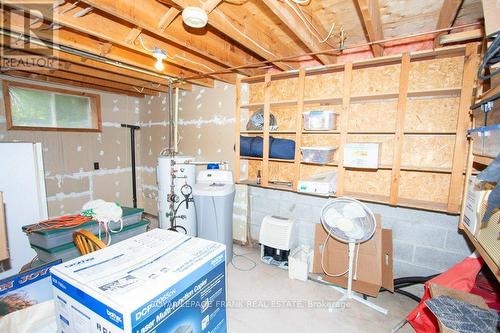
(265, 149)
(237, 121)
(464, 121)
(400, 120)
(298, 128)
(344, 124)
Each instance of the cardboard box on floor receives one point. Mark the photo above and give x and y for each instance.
(374, 269)
(439, 290)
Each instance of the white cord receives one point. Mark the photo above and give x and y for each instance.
(143, 45)
(340, 274)
(307, 23)
(191, 61)
(301, 2)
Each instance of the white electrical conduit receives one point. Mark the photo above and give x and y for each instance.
(176, 120)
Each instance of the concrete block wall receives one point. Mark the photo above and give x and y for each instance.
(424, 243)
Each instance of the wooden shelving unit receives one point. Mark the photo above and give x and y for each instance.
(411, 104)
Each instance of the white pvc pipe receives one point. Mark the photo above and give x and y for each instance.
(176, 120)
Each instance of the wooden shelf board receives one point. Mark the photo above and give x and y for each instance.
(426, 169)
(368, 197)
(427, 205)
(319, 164)
(325, 100)
(270, 132)
(281, 160)
(250, 158)
(320, 132)
(487, 258)
(435, 92)
(428, 133)
(251, 105)
(373, 97)
(485, 160)
(284, 102)
(372, 132)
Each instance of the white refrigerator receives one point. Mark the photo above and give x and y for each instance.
(22, 182)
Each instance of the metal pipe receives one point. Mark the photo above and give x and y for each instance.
(86, 54)
(133, 128)
(204, 163)
(176, 121)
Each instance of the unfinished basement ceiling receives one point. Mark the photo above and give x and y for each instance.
(239, 32)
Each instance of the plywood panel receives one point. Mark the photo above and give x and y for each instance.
(424, 186)
(375, 80)
(428, 151)
(256, 92)
(284, 89)
(432, 115)
(281, 171)
(376, 116)
(286, 117)
(307, 170)
(370, 182)
(325, 85)
(386, 149)
(436, 73)
(253, 168)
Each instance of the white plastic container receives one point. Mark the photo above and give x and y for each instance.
(319, 120)
(299, 263)
(486, 140)
(319, 154)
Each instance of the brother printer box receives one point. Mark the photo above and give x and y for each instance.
(159, 281)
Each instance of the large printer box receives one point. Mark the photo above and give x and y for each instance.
(159, 281)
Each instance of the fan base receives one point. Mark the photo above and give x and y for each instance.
(361, 300)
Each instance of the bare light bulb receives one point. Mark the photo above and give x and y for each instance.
(159, 64)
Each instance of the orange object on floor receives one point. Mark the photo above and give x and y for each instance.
(87, 242)
(462, 277)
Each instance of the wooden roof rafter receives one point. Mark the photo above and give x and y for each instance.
(370, 15)
(253, 39)
(165, 22)
(117, 33)
(85, 43)
(294, 23)
(447, 16)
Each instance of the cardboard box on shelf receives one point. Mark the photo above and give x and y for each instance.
(375, 261)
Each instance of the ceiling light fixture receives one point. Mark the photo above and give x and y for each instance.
(159, 55)
(194, 17)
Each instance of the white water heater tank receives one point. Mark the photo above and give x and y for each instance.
(184, 174)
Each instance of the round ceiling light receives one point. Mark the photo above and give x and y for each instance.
(194, 17)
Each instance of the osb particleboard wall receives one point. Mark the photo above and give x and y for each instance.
(428, 130)
(68, 157)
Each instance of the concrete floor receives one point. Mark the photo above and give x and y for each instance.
(253, 303)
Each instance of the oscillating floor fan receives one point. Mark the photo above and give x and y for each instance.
(352, 222)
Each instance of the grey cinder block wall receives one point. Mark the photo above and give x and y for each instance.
(424, 243)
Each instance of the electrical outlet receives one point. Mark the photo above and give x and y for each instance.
(96, 165)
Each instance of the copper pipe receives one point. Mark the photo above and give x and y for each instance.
(334, 51)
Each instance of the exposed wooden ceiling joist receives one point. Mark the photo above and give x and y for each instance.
(82, 42)
(89, 65)
(447, 16)
(290, 19)
(166, 23)
(44, 78)
(257, 42)
(370, 14)
(117, 33)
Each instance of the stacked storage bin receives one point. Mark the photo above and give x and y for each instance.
(56, 244)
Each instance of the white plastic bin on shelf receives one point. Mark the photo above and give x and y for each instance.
(299, 262)
(486, 140)
(320, 155)
(319, 120)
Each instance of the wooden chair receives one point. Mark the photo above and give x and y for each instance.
(87, 242)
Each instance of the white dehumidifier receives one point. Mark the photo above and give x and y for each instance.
(276, 240)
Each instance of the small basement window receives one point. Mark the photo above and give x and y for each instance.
(34, 107)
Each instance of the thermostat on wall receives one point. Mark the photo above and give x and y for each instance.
(361, 155)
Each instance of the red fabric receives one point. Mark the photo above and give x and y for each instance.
(462, 276)
(488, 288)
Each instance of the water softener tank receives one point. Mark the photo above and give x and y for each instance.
(184, 174)
(213, 198)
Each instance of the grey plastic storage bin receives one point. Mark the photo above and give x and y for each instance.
(486, 140)
(49, 239)
(69, 251)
